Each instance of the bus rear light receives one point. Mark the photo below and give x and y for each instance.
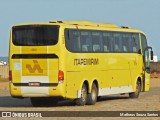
(10, 75)
(60, 76)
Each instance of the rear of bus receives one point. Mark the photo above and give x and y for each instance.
(34, 61)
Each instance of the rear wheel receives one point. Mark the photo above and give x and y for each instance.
(92, 97)
(43, 102)
(136, 93)
(82, 101)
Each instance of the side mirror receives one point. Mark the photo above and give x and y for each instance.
(151, 55)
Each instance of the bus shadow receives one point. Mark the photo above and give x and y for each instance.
(8, 101)
(110, 98)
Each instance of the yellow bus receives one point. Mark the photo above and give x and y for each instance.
(78, 60)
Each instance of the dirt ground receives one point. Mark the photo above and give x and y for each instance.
(147, 101)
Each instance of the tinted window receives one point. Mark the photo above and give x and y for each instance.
(117, 42)
(134, 44)
(126, 42)
(73, 42)
(101, 41)
(38, 35)
(107, 41)
(97, 41)
(144, 42)
(86, 41)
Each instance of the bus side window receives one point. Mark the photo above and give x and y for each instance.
(84, 44)
(125, 42)
(73, 41)
(135, 42)
(86, 41)
(117, 42)
(107, 41)
(96, 48)
(69, 42)
(97, 41)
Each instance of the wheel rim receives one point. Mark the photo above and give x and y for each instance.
(84, 94)
(137, 88)
(94, 94)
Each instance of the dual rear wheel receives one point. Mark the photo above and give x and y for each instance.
(87, 98)
(91, 98)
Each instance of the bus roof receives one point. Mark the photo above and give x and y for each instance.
(86, 23)
(97, 24)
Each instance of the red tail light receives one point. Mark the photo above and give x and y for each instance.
(10, 75)
(60, 76)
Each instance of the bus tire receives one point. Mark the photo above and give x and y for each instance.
(43, 102)
(82, 101)
(137, 92)
(92, 97)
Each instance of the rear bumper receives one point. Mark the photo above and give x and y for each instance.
(21, 90)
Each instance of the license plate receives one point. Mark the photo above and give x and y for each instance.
(34, 84)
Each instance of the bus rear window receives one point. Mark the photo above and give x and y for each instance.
(35, 35)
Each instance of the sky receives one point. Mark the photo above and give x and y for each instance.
(138, 14)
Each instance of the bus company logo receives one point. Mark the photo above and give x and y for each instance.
(35, 67)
